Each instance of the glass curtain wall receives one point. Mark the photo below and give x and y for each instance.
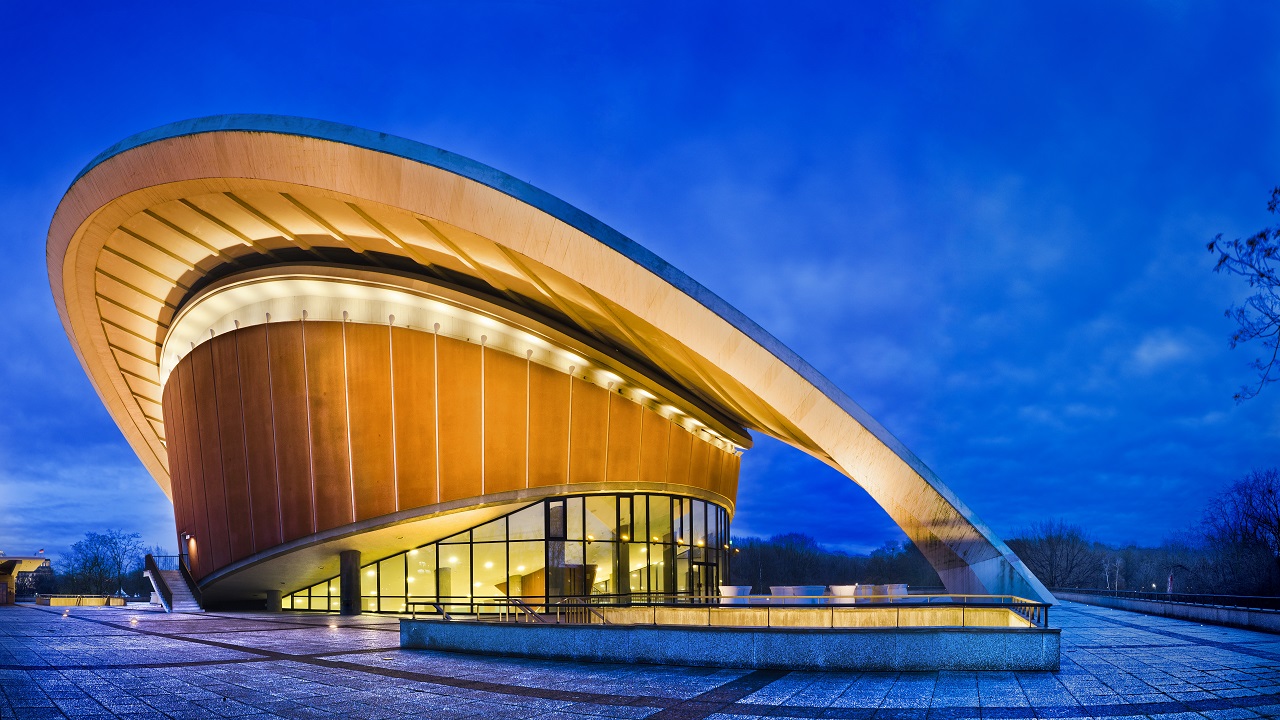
(628, 548)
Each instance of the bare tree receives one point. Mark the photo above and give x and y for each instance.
(99, 563)
(1057, 553)
(1242, 528)
(1254, 259)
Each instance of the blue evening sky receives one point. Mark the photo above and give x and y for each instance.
(984, 221)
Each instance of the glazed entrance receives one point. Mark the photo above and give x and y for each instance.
(630, 546)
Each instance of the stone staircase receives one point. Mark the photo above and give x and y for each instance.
(183, 601)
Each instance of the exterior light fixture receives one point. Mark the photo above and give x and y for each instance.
(655, 538)
(626, 537)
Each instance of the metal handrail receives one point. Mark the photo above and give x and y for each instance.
(412, 605)
(157, 579)
(1250, 602)
(191, 583)
(576, 609)
(586, 609)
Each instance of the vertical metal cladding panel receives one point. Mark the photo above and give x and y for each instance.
(369, 398)
(678, 459)
(179, 476)
(548, 427)
(292, 437)
(622, 462)
(719, 465)
(700, 464)
(259, 436)
(200, 565)
(655, 442)
(588, 432)
(413, 371)
(460, 407)
(731, 481)
(218, 542)
(226, 375)
(327, 408)
(506, 404)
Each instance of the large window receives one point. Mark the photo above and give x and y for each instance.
(632, 548)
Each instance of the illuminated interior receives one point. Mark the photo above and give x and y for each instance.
(626, 547)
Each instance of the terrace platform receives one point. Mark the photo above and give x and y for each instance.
(137, 663)
(890, 633)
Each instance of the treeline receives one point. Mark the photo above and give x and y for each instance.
(1234, 550)
(796, 559)
(105, 563)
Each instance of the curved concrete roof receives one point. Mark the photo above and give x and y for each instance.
(182, 203)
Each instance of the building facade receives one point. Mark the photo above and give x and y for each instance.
(325, 342)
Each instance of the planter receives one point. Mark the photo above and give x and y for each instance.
(843, 594)
(734, 594)
(797, 594)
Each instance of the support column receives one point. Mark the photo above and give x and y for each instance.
(349, 582)
(273, 601)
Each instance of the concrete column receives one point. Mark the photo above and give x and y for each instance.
(273, 601)
(349, 583)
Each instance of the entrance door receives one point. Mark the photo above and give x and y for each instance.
(706, 581)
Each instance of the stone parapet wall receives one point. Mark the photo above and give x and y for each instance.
(1264, 620)
(865, 649)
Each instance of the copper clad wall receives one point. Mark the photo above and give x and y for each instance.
(279, 431)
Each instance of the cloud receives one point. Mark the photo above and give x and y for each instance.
(1157, 350)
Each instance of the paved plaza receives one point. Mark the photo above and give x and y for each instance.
(137, 663)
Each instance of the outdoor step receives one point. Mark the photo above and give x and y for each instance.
(181, 598)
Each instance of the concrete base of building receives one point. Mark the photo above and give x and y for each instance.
(853, 649)
(1264, 620)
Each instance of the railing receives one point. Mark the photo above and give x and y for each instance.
(583, 610)
(578, 611)
(413, 608)
(1250, 602)
(109, 599)
(191, 582)
(157, 579)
